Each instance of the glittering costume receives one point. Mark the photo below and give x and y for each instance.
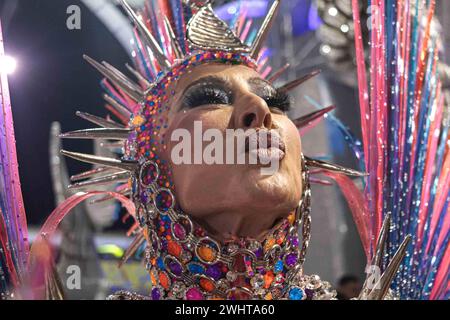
(184, 262)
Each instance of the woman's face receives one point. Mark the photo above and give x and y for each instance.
(234, 200)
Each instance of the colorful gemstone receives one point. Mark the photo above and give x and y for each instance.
(195, 268)
(291, 259)
(156, 294)
(278, 266)
(175, 267)
(207, 284)
(164, 200)
(296, 293)
(214, 272)
(179, 231)
(194, 293)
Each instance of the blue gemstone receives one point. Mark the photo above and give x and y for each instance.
(196, 268)
(296, 294)
(160, 263)
(278, 266)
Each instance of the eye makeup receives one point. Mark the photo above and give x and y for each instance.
(207, 91)
(276, 99)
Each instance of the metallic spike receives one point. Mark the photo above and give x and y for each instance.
(125, 192)
(112, 145)
(133, 248)
(121, 176)
(307, 119)
(130, 83)
(102, 122)
(117, 106)
(131, 166)
(381, 242)
(91, 173)
(98, 133)
(173, 40)
(147, 36)
(206, 31)
(116, 80)
(278, 73)
(295, 83)
(264, 30)
(138, 76)
(382, 286)
(378, 256)
(332, 167)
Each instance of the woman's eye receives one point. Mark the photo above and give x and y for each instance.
(205, 95)
(278, 101)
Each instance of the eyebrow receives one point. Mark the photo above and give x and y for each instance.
(209, 79)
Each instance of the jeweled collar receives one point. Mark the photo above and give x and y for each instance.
(185, 263)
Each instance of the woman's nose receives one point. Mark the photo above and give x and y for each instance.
(251, 111)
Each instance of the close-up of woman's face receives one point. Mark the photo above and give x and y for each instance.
(247, 201)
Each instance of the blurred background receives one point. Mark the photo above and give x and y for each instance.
(51, 81)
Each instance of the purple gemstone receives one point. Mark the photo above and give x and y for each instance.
(258, 253)
(291, 259)
(214, 272)
(294, 241)
(176, 268)
(144, 197)
(309, 294)
(179, 231)
(156, 294)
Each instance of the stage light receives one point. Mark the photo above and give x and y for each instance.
(332, 11)
(7, 64)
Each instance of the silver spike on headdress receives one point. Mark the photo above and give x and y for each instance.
(121, 176)
(278, 73)
(130, 83)
(127, 165)
(121, 109)
(102, 122)
(98, 133)
(332, 167)
(264, 30)
(295, 83)
(382, 286)
(91, 173)
(147, 36)
(207, 31)
(310, 117)
(138, 75)
(132, 91)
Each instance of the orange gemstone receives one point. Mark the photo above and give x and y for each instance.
(174, 248)
(291, 218)
(153, 279)
(268, 279)
(163, 280)
(269, 244)
(207, 285)
(206, 253)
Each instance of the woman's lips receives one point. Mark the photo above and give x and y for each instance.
(265, 146)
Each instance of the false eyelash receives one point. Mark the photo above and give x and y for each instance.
(205, 95)
(280, 100)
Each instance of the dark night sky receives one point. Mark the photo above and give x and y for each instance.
(52, 81)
